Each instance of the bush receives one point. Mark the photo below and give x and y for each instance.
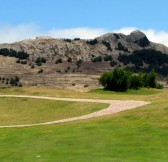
(152, 79)
(97, 59)
(39, 64)
(58, 61)
(107, 44)
(136, 82)
(78, 63)
(68, 40)
(92, 42)
(23, 62)
(159, 86)
(118, 80)
(69, 59)
(116, 36)
(122, 48)
(108, 58)
(76, 39)
(113, 63)
(40, 71)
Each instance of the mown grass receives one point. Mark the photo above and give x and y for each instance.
(29, 111)
(94, 94)
(138, 135)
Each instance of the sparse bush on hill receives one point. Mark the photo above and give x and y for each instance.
(107, 44)
(122, 48)
(76, 39)
(108, 58)
(58, 61)
(116, 36)
(97, 59)
(68, 40)
(69, 59)
(92, 42)
(40, 71)
(40, 60)
(78, 63)
(113, 63)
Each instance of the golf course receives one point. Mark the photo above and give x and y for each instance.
(138, 134)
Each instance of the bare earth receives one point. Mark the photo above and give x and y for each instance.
(115, 106)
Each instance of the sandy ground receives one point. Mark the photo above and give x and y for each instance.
(115, 106)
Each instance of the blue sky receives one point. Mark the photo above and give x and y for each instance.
(20, 19)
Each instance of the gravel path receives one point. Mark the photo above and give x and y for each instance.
(115, 106)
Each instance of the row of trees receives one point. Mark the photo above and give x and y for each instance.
(12, 81)
(154, 59)
(12, 53)
(122, 80)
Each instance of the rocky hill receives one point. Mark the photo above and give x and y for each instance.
(111, 44)
(44, 60)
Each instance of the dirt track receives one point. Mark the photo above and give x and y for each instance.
(115, 106)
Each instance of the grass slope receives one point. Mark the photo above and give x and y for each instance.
(136, 135)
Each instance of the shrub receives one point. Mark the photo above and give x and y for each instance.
(18, 61)
(118, 80)
(97, 59)
(40, 71)
(113, 63)
(76, 39)
(159, 86)
(122, 48)
(136, 82)
(151, 80)
(69, 59)
(39, 64)
(23, 62)
(58, 61)
(92, 42)
(108, 58)
(68, 40)
(78, 63)
(116, 36)
(107, 44)
(32, 66)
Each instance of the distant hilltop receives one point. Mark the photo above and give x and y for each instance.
(108, 44)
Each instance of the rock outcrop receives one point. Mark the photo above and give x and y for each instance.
(51, 48)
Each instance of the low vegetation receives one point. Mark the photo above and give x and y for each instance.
(13, 81)
(12, 53)
(58, 61)
(107, 44)
(92, 42)
(153, 59)
(122, 80)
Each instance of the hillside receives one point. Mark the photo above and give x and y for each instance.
(77, 63)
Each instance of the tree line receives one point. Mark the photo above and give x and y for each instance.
(121, 80)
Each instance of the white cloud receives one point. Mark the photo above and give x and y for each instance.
(83, 33)
(9, 34)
